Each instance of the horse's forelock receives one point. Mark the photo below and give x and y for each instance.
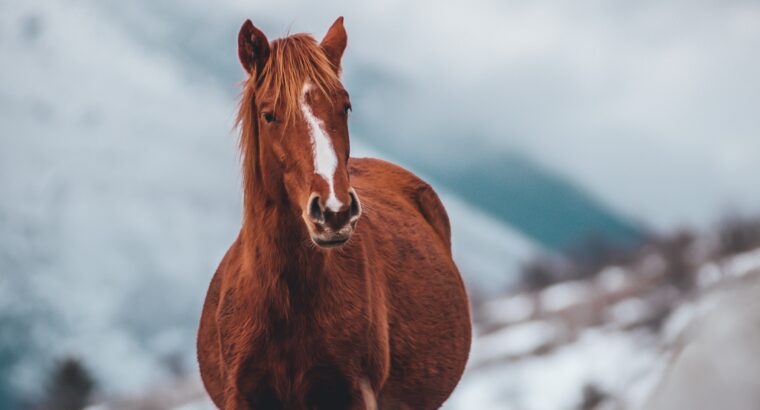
(295, 60)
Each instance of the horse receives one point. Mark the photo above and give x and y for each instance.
(340, 291)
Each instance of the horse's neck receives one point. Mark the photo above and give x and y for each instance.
(278, 247)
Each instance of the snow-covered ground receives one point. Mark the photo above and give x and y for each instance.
(718, 363)
(610, 361)
(559, 354)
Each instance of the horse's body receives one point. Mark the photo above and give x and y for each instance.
(382, 320)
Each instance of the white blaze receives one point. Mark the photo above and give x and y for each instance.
(325, 160)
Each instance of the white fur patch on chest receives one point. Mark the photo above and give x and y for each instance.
(325, 159)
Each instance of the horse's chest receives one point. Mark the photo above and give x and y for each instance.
(314, 336)
(295, 344)
(310, 360)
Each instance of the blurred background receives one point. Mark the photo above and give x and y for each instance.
(599, 161)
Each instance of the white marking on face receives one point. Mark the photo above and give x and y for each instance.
(325, 160)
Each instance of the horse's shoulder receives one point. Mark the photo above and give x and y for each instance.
(373, 175)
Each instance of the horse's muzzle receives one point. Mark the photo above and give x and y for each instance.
(330, 229)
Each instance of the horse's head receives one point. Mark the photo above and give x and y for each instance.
(294, 115)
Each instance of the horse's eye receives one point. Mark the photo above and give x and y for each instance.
(347, 108)
(268, 117)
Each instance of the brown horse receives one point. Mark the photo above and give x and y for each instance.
(311, 307)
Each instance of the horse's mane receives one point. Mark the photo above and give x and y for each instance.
(292, 61)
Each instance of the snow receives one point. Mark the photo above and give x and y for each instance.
(509, 309)
(612, 361)
(740, 265)
(566, 294)
(717, 365)
(708, 274)
(629, 311)
(708, 340)
(612, 278)
(513, 341)
(743, 264)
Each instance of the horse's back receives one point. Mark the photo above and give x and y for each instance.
(383, 178)
(406, 232)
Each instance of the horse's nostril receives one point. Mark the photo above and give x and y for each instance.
(315, 210)
(355, 209)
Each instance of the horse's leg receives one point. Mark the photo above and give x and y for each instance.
(235, 401)
(330, 389)
(362, 395)
(369, 399)
(264, 399)
(248, 388)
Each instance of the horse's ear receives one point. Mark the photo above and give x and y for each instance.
(334, 43)
(253, 47)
